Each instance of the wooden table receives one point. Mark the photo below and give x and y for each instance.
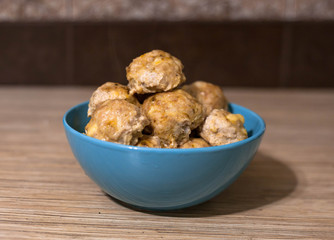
(287, 191)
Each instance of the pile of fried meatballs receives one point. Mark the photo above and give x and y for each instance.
(153, 110)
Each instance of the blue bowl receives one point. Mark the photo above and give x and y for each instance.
(161, 179)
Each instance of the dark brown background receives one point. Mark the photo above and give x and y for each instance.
(256, 54)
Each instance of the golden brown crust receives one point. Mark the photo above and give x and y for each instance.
(209, 95)
(222, 127)
(155, 71)
(195, 143)
(149, 141)
(173, 115)
(109, 91)
(117, 121)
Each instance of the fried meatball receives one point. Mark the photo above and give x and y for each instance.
(222, 127)
(149, 141)
(209, 95)
(109, 91)
(195, 143)
(155, 71)
(173, 115)
(117, 121)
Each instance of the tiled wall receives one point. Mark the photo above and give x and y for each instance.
(167, 10)
(271, 54)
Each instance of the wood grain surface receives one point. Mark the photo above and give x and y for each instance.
(286, 193)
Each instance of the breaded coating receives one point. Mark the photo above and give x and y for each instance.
(222, 127)
(173, 115)
(155, 71)
(109, 91)
(195, 143)
(209, 95)
(117, 121)
(149, 141)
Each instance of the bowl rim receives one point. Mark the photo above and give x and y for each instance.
(123, 147)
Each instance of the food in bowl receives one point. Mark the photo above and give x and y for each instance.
(161, 178)
(117, 121)
(164, 147)
(155, 71)
(172, 116)
(150, 141)
(222, 127)
(195, 143)
(209, 95)
(154, 111)
(109, 91)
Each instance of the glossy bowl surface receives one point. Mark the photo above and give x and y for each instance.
(161, 179)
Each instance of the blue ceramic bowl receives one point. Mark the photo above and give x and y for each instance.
(161, 179)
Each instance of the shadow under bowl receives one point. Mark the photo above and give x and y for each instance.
(161, 179)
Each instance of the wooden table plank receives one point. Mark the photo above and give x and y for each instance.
(286, 193)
